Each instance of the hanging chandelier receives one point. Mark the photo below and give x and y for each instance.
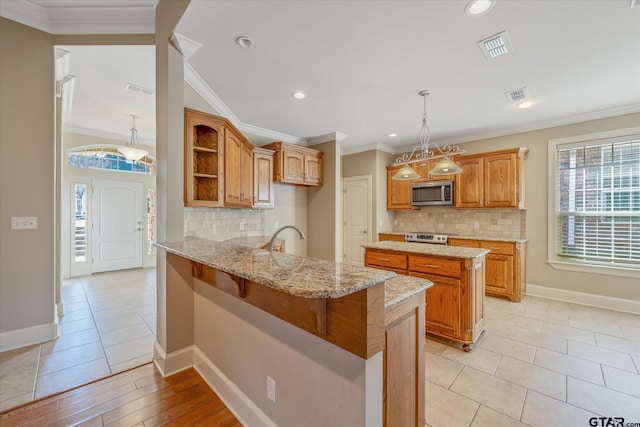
(423, 152)
(131, 150)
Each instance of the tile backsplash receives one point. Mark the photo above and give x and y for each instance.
(509, 223)
(223, 223)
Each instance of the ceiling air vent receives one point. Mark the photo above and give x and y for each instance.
(496, 45)
(517, 95)
(139, 89)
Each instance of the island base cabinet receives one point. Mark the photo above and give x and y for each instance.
(404, 368)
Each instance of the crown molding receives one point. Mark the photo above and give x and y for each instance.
(198, 84)
(544, 124)
(331, 136)
(26, 13)
(185, 45)
(120, 138)
(120, 19)
(362, 148)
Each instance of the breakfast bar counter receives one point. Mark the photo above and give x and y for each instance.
(365, 316)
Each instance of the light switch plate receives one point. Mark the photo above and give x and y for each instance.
(24, 222)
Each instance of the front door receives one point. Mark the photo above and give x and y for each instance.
(117, 225)
(356, 218)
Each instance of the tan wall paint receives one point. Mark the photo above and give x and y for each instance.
(291, 209)
(175, 311)
(27, 150)
(317, 383)
(324, 210)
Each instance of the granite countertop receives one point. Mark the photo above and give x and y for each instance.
(402, 287)
(463, 236)
(295, 275)
(252, 242)
(428, 249)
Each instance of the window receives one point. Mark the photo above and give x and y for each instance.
(106, 157)
(151, 221)
(595, 218)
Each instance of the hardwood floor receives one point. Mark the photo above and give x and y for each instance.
(139, 397)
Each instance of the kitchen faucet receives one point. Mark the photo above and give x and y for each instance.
(273, 238)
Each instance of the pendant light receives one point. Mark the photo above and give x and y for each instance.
(131, 150)
(421, 152)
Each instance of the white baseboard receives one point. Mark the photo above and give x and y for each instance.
(247, 412)
(593, 300)
(172, 363)
(28, 336)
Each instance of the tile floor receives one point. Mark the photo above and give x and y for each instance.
(109, 326)
(539, 363)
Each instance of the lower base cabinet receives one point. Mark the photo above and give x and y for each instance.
(455, 302)
(404, 370)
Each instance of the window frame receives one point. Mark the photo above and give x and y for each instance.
(552, 256)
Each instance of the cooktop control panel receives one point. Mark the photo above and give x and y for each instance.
(440, 239)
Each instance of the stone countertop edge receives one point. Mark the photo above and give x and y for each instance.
(403, 287)
(463, 236)
(298, 276)
(428, 249)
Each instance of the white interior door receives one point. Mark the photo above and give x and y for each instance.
(117, 225)
(356, 218)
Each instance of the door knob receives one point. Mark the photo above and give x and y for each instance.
(364, 231)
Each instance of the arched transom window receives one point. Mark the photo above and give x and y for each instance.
(108, 158)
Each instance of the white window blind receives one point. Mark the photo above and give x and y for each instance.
(598, 201)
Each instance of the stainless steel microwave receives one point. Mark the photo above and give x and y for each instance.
(432, 193)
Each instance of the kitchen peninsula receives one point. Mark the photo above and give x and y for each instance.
(455, 304)
(345, 344)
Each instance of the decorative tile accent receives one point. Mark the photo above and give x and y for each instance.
(223, 223)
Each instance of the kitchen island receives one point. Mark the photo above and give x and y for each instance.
(322, 331)
(455, 304)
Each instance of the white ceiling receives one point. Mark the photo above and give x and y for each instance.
(363, 62)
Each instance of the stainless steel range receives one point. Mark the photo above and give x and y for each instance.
(440, 239)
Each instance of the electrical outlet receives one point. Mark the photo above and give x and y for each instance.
(395, 222)
(241, 226)
(275, 225)
(24, 222)
(271, 389)
(476, 224)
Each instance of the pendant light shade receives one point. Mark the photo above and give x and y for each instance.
(445, 167)
(406, 173)
(131, 151)
(427, 150)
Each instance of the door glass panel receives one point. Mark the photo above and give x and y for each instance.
(151, 221)
(80, 223)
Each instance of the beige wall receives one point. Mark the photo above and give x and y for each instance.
(27, 151)
(324, 207)
(291, 209)
(317, 383)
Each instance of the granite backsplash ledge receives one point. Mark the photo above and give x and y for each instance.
(510, 223)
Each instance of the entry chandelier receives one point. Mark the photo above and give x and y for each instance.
(131, 151)
(423, 152)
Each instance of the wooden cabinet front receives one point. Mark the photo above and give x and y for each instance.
(504, 274)
(423, 170)
(238, 178)
(391, 260)
(293, 164)
(491, 180)
(263, 191)
(390, 236)
(444, 305)
(398, 191)
(203, 161)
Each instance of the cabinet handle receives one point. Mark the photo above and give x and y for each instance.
(432, 266)
(385, 259)
(493, 247)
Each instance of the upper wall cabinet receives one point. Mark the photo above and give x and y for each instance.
(218, 162)
(398, 191)
(491, 180)
(293, 164)
(263, 178)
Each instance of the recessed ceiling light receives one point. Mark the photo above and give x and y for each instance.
(299, 95)
(479, 7)
(523, 105)
(392, 135)
(245, 41)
